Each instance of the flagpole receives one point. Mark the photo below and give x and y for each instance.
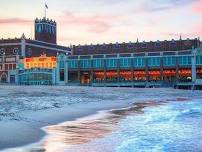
(45, 11)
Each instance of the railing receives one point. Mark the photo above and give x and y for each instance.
(128, 83)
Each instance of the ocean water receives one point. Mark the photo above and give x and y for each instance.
(169, 127)
(173, 127)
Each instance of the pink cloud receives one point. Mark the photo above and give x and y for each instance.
(195, 32)
(175, 35)
(198, 29)
(14, 21)
(70, 38)
(93, 23)
(197, 7)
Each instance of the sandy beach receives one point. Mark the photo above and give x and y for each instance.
(32, 114)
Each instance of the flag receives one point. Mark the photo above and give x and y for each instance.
(46, 6)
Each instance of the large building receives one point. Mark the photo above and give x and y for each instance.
(172, 63)
(13, 51)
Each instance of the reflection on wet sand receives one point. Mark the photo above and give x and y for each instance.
(85, 130)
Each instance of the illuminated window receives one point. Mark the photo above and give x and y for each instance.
(98, 63)
(185, 60)
(85, 64)
(154, 61)
(199, 60)
(169, 61)
(125, 62)
(73, 64)
(111, 63)
(39, 28)
(139, 62)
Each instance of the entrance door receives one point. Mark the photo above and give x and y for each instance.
(85, 78)
(12, 79)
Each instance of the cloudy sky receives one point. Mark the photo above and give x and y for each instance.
(105, 21)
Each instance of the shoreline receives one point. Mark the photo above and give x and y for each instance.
(111, 116)
(57, 116)
(28, 123)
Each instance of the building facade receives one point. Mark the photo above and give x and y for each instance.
(143, 68)
(13, 51)
(136, 47)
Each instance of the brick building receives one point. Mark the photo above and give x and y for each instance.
(12, 51)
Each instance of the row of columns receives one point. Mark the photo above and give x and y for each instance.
(132, 69)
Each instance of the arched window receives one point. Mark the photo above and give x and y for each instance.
(3, 78)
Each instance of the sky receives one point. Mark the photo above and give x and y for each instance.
(104, 21)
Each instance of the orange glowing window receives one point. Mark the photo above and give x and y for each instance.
(154, 73)
(53, 59)
(99, 75)
(112, 74)
(28, 59)
(139, 73)
(199, 71)
(40, 62)
(169, 72)
(185, 72)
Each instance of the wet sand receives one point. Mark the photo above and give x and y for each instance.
(17, 133)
